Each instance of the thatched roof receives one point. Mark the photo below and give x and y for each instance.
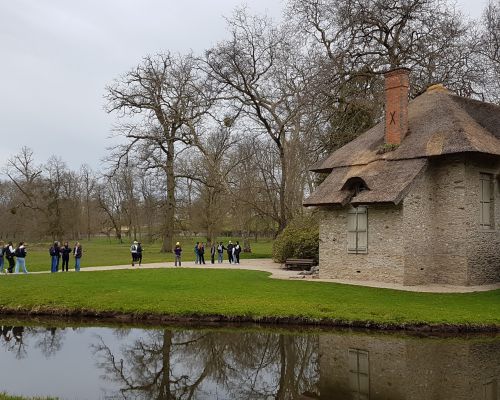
(439, 123)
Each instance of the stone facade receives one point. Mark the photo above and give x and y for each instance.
(433, 236)
(406, 368)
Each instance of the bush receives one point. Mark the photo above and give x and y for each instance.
(300, 239)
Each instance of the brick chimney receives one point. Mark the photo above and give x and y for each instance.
(397, 85)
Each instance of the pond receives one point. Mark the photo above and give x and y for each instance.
(72, 360)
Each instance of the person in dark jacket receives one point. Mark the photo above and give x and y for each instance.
(77, 252)
(236, 252)
(196, 253)
(55, 253)
(230, 252)
(65, 252)
(139, 253)
(21, 257)
(178, 253)
(213, 251)
(9, 255)
(201, 252)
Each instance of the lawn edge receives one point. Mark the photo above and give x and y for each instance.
(268, 320)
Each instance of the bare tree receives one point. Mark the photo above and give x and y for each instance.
(163, 100)
(265, 74)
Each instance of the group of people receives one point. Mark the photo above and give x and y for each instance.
(58, 252)
(136, 253)
(233, 252)
(14, 256)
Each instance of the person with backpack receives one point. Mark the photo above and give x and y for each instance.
(133, 252)
(139, 253)
(21, 257)
(65, 252)
(55, 253)
(236, 253)
(77, 252)
(178, 253)
(230, 247)
(220, 253)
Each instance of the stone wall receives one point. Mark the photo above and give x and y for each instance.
(385, 258)
(435, 225)
(483, 246)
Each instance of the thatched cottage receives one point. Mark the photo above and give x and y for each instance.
(415, 199)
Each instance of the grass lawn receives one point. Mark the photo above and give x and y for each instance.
(237, 293)
(101, 252)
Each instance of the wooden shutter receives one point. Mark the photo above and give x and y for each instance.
(357, 230)
(486, 181)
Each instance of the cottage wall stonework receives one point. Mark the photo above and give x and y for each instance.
(433, 236)
(408, 368)
(385, 258)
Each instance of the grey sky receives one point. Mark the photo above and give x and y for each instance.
(56, 56)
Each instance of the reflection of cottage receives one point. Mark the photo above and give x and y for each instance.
(388, 367)
(415, 200)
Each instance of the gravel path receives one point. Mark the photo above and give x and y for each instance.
(277, 272)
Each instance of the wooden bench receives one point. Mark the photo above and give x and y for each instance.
(300, 263)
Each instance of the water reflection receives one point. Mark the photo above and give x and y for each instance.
(198, 364)
(173, 363)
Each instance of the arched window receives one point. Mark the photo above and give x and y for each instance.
(355, 185)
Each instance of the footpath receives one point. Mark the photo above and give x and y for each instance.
(278, 272)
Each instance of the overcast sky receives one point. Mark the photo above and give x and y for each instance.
(56, 57)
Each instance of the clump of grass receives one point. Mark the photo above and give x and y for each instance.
(386, 148)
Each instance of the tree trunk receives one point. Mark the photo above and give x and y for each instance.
(282, 216)
(168, 226)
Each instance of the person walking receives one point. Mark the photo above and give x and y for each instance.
(201, 252)
(2, 260)
(139, 253)
(65, 252)
(54, 252)
(220, 253)
(21, 257)
(178, 253)
(236, 252)
(9, 255)
(196, 253)
(133, 252)
(213, 250)
(230, 252)
(77, 252)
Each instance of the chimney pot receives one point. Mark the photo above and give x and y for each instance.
(397, 84)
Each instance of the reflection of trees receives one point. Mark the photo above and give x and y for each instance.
(49, 340)
(168, 365)
(17, 339)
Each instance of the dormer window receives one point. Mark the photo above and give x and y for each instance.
(355, 185)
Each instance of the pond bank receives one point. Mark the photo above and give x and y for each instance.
(223, 295)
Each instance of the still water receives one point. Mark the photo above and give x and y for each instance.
(81, 361)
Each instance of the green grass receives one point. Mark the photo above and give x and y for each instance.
(103, 252)
(231, 293)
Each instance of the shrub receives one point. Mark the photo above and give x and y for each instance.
(300, 239)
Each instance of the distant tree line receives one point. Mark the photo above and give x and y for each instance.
(222, 142)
